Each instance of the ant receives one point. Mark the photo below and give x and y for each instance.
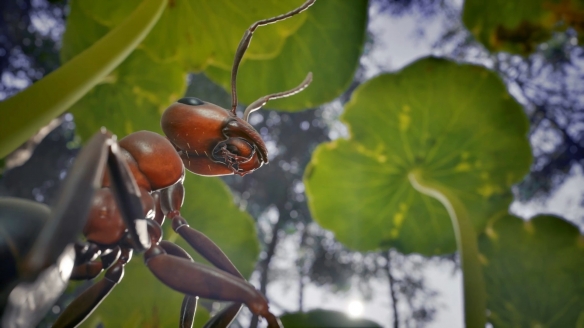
(124, 208)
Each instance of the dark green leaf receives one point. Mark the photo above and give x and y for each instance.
(533, 271)
(518, 26)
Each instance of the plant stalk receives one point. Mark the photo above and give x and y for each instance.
(466, 240)
(28, 111)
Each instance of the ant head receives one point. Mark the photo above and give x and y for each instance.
(212, 140)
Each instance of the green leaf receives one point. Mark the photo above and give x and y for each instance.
(324, 318)
(132, 98)
(328, 44)
(141, 300)
(197, 33)
(533, 270)
(33, 108)
(519, 26)
(455, 125)
(209, 208)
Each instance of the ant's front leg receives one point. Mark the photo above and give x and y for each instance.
(197, 279)
(171, 200)
(189, 304)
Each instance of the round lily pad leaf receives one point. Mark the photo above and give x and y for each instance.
(328, 44)
(196, 33)
(209, 208)
(141, 300)
(453, 124)
(534, 272)
(322, 319)
(132, 98)
(519, 26)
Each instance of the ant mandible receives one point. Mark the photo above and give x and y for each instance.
(145, 186)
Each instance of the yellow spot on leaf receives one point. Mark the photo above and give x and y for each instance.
(128, 127)
(462, 167)
(404, 121)
(398, 219)
(580, 241)
(488, 190)
(394, 233)
(491, 233)
(528, 226)
(483, 259)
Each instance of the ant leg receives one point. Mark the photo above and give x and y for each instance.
(91, 268)
(221, 319)
(246, 39)
(86, 266)
(47, 266)
(224, 317)
(171, 200)
(196, 279)
(88, 301)
(69, 214)
(128, 199)
(86, 271)
(189, 304)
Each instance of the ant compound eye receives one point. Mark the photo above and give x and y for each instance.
(191, 101)
(233, 149)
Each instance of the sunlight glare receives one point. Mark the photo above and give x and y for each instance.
(355, 309)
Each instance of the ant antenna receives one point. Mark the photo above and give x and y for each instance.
(263, 100)
(244, 44)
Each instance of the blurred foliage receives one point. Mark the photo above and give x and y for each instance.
(134, 96)
(322, 318)
(533, 272)
(328, 44)
(435, 116)
(519, 26)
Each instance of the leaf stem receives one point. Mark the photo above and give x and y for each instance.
(466, 239)
(28, 111)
